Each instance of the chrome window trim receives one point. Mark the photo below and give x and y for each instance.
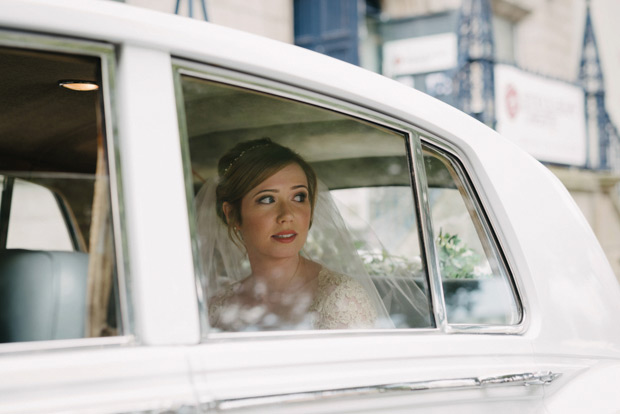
(438, 302)
(415, 136)
(214, 337)
(107, 54)
(524, 379)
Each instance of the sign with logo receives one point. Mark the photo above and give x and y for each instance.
(545, 117)
(420, 55)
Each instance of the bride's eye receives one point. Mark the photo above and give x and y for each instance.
(300, 197)
(266, 200)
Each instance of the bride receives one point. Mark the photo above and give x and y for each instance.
(253, 223)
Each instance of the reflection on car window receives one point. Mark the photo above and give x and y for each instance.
(57, 262)
(360, 260)
(476, 286)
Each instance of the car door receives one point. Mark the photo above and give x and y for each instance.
(407, 196)
(71, 337)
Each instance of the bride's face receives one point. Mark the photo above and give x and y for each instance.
(275, 215)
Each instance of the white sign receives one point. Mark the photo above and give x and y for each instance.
(543, 116)
(420, 55)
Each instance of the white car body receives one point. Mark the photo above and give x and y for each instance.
(569, 337)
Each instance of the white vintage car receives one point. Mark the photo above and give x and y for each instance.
(111, 119)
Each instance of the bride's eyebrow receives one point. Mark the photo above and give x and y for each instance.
(273, 190)
(266, 190)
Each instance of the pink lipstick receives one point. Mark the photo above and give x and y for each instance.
(287, 236)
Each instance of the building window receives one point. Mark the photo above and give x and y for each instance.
(329, 27)
(504, 36)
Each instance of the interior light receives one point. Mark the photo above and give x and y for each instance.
(78, 85)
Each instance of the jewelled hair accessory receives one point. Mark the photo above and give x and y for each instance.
(242, 153)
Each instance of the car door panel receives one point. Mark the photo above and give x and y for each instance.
(337, 373)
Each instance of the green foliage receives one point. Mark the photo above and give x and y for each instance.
(456, 260)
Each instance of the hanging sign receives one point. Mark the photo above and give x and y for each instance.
(543, 116)
(420, 55)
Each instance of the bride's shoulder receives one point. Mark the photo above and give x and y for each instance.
(224, 293)
(330, 280)
(342, 302)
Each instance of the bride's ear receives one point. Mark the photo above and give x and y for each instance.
(227, 209)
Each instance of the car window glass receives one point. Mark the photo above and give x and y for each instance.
(57, 261)
(367, 243)
(476, 285)
(386, 234)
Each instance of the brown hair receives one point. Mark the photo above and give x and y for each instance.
(247, 165)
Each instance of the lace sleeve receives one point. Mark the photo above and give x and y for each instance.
(221, 315)
(342, 303)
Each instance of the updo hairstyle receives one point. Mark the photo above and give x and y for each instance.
(248, 164)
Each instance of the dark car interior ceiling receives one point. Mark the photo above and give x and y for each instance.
(45, 127)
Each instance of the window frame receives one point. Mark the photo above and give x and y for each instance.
(106, 52)
(79, 244)
(482, 223)
(415, 137)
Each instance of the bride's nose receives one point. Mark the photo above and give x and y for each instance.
(285, 213)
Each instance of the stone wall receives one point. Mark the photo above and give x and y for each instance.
(269, 18)
(594, 193)
(548, 40)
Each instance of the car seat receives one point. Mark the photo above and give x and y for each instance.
(42, 295)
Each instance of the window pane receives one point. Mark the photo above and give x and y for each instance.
(57, 262)
(503, 34)
(386, 233)
(360, 258)
(476, 285)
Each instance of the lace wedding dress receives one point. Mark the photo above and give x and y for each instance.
(340, 302)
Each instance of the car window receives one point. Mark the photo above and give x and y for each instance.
(58, 276)
(477, 287)
(370, 239)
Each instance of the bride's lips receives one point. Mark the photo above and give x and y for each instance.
(287, 236)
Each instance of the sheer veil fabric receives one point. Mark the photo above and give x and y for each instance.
(329, 243)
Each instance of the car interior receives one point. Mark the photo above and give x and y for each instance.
(54, 209)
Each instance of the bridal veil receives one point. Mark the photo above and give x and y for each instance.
(329, 243)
